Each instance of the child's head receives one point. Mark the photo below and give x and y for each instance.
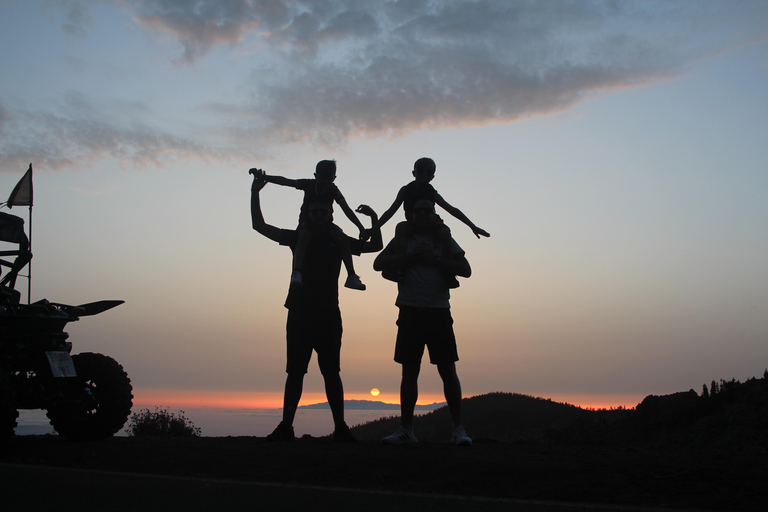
(325, 171)
(424, 169)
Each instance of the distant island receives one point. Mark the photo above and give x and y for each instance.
(372, 405)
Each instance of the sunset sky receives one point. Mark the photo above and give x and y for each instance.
(617, 152)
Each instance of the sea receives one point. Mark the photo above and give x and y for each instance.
(224, 422)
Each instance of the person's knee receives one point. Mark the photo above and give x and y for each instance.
(411, 371)
(330, 372)
(295, 376)
(447, 370)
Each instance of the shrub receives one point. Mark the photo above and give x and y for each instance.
(161, 423)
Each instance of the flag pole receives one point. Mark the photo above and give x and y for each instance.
(29, 269)
(22, 195)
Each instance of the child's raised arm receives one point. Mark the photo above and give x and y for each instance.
(349, 213)
(392, 209)
(277, 180)
(459, 215)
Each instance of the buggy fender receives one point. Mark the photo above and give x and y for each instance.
(90, 309)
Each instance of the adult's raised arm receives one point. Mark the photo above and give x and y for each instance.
(257, 218)
(375, 243)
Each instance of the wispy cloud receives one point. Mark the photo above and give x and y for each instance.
(341, 68)
(83, 132)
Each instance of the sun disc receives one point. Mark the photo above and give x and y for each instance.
(375, 392)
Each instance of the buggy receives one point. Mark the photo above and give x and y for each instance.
(86, 396)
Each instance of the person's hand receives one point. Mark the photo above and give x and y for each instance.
(365, 210)
(478, 231)
(258, 180)
(258, 173)
(423, 254)
(365, 234)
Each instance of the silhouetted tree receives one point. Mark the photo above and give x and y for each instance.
(705, 392)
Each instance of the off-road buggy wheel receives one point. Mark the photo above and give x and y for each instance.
(96, 403)
(8, 411)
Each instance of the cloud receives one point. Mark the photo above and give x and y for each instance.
(79, 135)
(324, 71)
(202, 25)
(77, 18)
(349, 67)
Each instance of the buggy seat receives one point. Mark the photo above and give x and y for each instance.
(12, 231)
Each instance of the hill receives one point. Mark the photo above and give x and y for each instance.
(680, 451)
(732, 416)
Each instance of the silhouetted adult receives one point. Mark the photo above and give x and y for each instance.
(314, 318)
(424, 320)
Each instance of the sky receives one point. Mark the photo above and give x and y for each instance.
(617, 152)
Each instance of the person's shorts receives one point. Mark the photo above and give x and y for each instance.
(318, 330)
(430, 327)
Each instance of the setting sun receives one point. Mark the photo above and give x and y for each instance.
(375, 392)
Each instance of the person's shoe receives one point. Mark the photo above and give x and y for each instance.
(343, 435)
(401, 436)
(296, 278)
(460, 437)
(282, 433)
(353, 281)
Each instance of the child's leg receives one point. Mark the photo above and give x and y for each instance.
(402, 231)
(399, 243)
(338, 236)
(443, 235)
(302, 242)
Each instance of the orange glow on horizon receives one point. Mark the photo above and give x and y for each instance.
(221, 399)
(150, 398)
(599, 401)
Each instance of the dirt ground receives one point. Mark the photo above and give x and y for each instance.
(530, 470)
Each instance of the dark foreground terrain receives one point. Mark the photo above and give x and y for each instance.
(679, 451)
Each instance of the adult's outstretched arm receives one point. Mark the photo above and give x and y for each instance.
(257, 218)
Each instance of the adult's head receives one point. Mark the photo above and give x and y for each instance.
(424, 169)
(424, 213)
(319, 215)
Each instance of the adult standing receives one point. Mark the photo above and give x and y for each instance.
(314, 318)
(424, 318)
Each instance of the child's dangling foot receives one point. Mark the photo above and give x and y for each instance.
(353, 281)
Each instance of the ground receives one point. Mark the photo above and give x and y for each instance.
(686, 479)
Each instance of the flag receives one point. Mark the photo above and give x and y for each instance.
(22, 192)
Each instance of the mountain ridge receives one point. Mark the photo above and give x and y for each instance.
(372, 405)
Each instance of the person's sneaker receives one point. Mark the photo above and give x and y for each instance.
(343, 435)
(460, 437)
(353, 281)
(282, 433)
(296, 278)
(401, 436)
